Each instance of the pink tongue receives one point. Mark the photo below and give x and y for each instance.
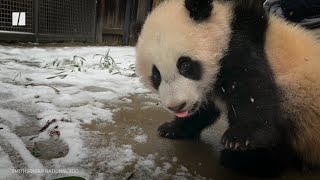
(182, 114)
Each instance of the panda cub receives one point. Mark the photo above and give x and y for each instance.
(206, 57)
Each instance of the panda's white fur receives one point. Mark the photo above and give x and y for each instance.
(169, 33)
(292, 52)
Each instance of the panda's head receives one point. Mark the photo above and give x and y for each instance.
(179, 51)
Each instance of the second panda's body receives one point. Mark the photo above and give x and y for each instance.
(205, 57)
(294, 56)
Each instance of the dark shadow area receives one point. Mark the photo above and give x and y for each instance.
(262, 163)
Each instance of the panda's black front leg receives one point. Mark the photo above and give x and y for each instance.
(192, 126)
(254, 115)
(250, 136)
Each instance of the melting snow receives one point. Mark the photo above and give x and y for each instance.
(6, 166)
(69, 87)
(141, 138)
(11, 117)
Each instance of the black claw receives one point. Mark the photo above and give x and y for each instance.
(174, 130)
(236, 145)
(245, 138)
(247, 142)
(231, 145)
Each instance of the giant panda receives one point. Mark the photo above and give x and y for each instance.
(207, 57)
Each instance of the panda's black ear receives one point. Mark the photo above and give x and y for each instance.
(199, 10)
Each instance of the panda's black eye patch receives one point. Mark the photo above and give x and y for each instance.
(189, 68)
(155, 77)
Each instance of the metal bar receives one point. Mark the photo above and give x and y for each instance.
(36, 19)
(115, 31)
(11, 36)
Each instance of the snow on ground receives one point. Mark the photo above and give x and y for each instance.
(31, 161)
(57, 90)
(141, 138)
(6, 166)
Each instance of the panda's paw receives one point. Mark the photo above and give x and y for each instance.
(174, 130)
(243, 138)
(237, 139)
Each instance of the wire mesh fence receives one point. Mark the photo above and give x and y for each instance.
(7, 7)
(49, 19)
(66, 17)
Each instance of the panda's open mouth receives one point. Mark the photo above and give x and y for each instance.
(186, 114)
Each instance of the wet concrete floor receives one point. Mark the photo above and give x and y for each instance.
(200, 157)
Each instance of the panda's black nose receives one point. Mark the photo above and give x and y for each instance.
(178, 108)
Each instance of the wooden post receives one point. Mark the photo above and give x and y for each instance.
(143, 10)
(36, 20)
(101, 13)
(125, 37)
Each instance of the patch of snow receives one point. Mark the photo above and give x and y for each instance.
(126, 100)
(19, 146)
(100, 176)
(70, 133)
(138, 134)
(6, 167)
(72, 99)
(118, 157)
(174, 159)
(11, 116)
(182, 174)
(141, 138)
(145, 167)
(135, 129)
(88, 113)
(33, 85)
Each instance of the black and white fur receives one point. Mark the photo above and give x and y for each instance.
(209, 56)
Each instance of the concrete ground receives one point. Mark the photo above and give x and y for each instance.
(200, 157)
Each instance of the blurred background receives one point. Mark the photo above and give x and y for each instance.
(109, 22)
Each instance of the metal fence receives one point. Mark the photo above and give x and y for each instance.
(9, 6)
(49, 20)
